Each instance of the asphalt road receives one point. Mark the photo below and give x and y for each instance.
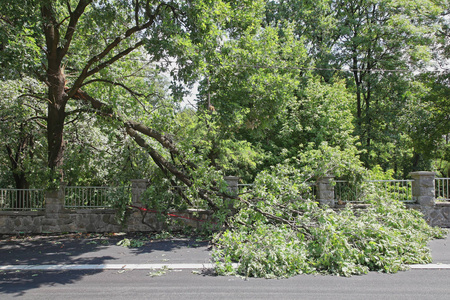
(183, 284)
(191, 284)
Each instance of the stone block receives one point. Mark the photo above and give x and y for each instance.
(17, 222)
(49, 222)
(425, 200)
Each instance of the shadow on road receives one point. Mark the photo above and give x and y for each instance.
(82, 249)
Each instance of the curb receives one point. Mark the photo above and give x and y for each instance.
(62, 267)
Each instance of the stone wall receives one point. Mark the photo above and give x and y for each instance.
(436, 215)
(55, 218)
(65, 221)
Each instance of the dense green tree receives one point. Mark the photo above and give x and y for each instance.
(62, 39)
(71, 46)
(22, 125)
(382, 43)
(432, 134)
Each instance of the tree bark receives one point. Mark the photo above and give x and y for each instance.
(56, 81)
(56, 117)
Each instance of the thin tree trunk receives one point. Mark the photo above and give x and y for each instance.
(19, 175)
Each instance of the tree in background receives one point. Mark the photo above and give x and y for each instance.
(22, 125)
(382, 43)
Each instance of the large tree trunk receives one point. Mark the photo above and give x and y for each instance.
(56, 117)
(57, 97)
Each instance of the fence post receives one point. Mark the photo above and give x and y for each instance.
(54, 201)
(325, 191)
(138, 186)
(54, 210)
(423, 188)
(232, 189)
(138, 220)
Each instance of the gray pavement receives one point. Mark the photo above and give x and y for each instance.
(440, 250)
(178, 283)
(98, 249)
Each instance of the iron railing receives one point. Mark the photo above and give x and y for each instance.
(345, 191)
(22, 199)
(442, 189)
(104, 197)
(368, 190)
(89, 197)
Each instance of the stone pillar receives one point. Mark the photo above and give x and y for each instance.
(54, 201)
(232, 182)
(325, 191)
(135, 221)
(232, 189)
(54, 210)
(423, 188)
(138, 186)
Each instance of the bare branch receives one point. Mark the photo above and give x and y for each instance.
(60, 23)
(114, 59)
(51, 35)
(69, 8)
(157, 157)
(129, 90)
(133, 93)
(136, 12)
(78, 111)
(33, 96)
(36, 118)
(97, 105)
(162, 139)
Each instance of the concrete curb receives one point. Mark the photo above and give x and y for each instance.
(108, 267)
(63, 267)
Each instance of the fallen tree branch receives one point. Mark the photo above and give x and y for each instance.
(293, 224)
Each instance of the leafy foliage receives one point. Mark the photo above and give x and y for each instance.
(311, 239)
(22, 144)
(382, 43)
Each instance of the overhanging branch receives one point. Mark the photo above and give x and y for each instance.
(87, 71)
(134, 129)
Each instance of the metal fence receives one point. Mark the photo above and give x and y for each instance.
(442, 189)
(89, 197)
(23, 199)
(104, 197)
(347, 192)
